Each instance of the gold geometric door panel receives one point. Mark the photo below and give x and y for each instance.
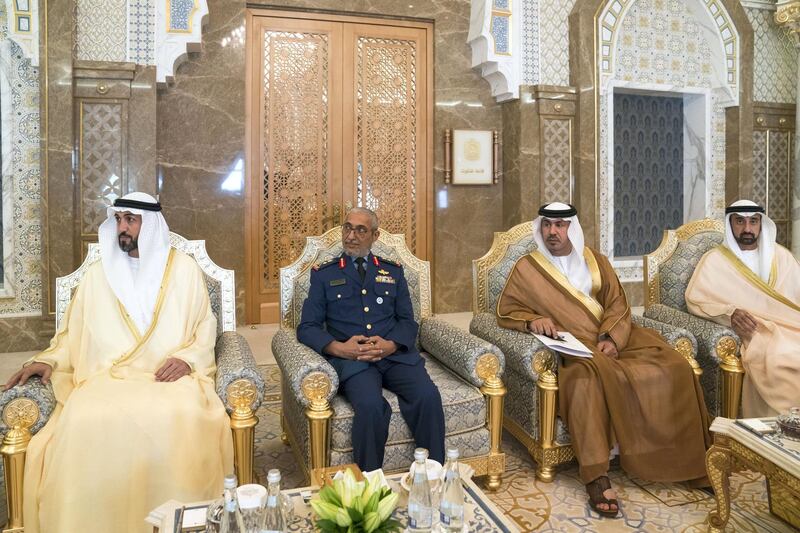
(337, 116)
(389, 106)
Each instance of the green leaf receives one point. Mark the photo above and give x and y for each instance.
(327, 526)
(329, 495)
(355, 515)
(372, 504)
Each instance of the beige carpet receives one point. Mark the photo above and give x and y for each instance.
(560, 506)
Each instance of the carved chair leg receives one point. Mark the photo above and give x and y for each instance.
(243, 445)
(495, 392)
(547, 391)
(241, 394)
(319, 435)
(15, 444)
(20, 415)
(732, 379)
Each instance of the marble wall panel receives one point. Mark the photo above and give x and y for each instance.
(207, 100)
(57, 204)
(142, 131)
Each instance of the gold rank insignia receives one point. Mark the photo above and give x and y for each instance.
(381, 271)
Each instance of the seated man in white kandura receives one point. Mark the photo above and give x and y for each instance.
(137, 420)
(752, 284)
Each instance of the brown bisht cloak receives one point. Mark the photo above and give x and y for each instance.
(648, 400)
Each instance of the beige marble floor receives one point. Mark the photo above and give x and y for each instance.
(259, 337)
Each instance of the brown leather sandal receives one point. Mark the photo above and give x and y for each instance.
(595, 490)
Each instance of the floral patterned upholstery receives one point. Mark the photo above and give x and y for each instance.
(677, 271)
(669, 269)
(490, 273)
(452, 359)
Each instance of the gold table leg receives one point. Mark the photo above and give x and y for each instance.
(719, 464)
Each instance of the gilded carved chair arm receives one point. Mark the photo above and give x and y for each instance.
(522, 350)
(715, 343)
(309, 376)
(236, 365)
(459, 351)
(29, 405)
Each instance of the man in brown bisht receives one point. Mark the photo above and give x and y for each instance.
(635, 391)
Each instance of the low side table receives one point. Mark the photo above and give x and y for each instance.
(737, 448)
(481, 515)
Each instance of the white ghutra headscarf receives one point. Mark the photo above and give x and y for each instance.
(573, 266)
(762, 264)
(138, 294)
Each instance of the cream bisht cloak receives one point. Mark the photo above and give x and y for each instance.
(722, 283)
(119, 443)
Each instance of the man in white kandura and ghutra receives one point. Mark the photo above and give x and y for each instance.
(137, 420)
(752, 284)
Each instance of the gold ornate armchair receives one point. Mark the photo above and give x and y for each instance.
(317, 422)
(667, 272)
(532, 369)
(25, 409)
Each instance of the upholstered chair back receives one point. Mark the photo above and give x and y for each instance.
(295, 278)
(670, 267)
(490, 272)
(219, 281)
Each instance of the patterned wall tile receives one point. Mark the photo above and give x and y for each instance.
(100, 162)
(530, 42)
(102, 30)
(142, 31)
(554, 39)
(648, 171)
(556, 163)
(180, 12)
(774, 60)
(780, 154)
(22, 180)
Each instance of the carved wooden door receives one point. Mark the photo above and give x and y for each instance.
(338, 116)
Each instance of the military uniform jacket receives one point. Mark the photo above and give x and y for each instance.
(340, 306)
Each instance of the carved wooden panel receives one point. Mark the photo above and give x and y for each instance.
(295, 145)
(760, 171)
(388, 115)
(337, 113)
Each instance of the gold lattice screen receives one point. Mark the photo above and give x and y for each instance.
(338, 117)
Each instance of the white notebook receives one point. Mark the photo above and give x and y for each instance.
(568, 346)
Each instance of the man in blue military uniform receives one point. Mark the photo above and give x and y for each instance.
(359, 316)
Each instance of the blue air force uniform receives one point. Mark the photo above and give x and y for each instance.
(339, 306)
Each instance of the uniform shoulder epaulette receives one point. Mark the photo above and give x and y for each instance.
(389, 262)
(326, 264)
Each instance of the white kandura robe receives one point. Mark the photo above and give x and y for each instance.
(119, 443)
